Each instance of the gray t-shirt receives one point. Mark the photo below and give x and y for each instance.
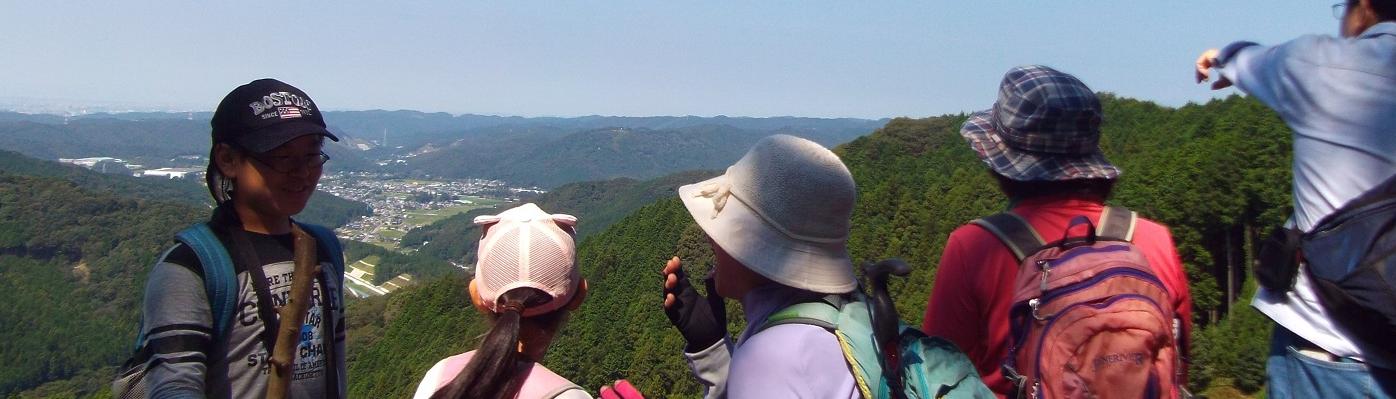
(178, 324)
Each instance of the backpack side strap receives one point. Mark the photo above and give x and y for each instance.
(220, 279)
(1117, 224)
(1014, 232)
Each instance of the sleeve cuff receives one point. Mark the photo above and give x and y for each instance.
(1229, 52)
(710, 367)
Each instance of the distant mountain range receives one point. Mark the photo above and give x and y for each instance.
(324, 208)
(545, 151)
(599, 154)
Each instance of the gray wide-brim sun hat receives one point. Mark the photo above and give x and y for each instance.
(1045, 126)
(783, 211)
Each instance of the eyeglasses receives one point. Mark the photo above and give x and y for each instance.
(291, 163)
(1340, 10)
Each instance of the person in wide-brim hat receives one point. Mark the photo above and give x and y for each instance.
(783, 212)
(778, 222)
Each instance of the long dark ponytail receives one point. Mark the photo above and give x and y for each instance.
(495, 369)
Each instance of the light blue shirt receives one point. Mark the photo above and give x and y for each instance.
(1338, 95)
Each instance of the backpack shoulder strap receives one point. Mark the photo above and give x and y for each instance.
(220, 278)
(1117, 224)
(1014, 232)
(818, 313)
(326, 240)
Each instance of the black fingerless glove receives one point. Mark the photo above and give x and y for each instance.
(701, 320)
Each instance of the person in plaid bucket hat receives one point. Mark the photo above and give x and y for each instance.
(1045, 126)
(1040, 141)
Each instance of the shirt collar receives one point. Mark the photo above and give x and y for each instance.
(1057, 201)
(761, 302)
(1383, 28)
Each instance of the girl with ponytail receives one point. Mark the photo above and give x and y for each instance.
(526, 282)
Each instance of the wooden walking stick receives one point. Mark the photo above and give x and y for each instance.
(292, 316)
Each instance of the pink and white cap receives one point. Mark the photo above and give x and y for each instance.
(527, 247)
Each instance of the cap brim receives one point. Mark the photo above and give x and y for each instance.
(269, 138)
(1026, 166)
(742, 233)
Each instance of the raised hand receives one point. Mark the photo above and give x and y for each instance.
(701, 320)
(1205, 63)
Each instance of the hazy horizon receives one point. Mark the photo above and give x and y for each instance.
(626, 58)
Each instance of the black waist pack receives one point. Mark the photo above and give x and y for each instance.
(1351, 257)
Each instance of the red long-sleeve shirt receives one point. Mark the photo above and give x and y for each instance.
(973, 290)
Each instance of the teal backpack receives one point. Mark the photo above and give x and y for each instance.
(889, 359)
(221, 286)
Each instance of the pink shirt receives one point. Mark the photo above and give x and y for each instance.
(540, 383)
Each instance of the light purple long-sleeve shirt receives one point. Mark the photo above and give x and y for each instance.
(784, 361)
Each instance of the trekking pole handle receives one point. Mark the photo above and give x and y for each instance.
(885, 320)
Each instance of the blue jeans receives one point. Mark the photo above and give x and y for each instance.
(1291, 374)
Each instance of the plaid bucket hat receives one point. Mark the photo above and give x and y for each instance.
(1045, 126)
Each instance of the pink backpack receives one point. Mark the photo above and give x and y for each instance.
(1090, 318)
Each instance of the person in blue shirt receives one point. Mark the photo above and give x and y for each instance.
(1338, 95)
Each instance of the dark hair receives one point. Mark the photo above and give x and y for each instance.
(494, 370)
(1019, 190)
(1385, 9)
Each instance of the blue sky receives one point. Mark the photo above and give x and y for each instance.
(568, 58)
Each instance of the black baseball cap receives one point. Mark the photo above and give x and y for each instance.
(264, 114)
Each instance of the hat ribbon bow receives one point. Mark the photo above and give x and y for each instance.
(719, 192)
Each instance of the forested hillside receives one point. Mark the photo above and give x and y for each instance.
(1216, 173)
(72, 269)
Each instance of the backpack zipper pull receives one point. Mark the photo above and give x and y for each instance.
(1033, 303)
(1046, 272)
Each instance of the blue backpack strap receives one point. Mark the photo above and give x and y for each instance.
(220, 278)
